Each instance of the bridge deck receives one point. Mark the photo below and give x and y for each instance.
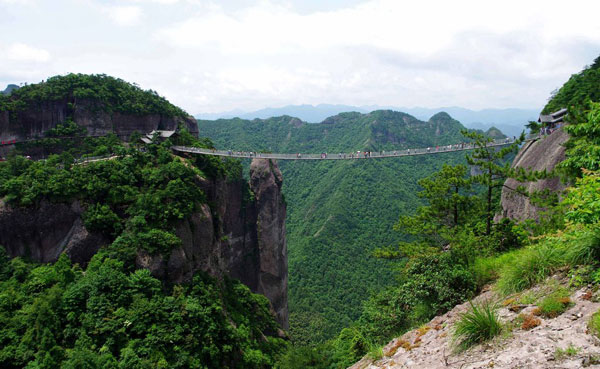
(342, 156)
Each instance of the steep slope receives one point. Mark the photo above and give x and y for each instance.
(338, 212)
(431, 346)
(543, 154)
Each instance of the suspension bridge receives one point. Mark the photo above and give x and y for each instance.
(345, 155)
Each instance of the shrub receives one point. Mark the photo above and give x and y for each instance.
(477, 325)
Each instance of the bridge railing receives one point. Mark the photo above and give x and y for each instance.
(346, 155)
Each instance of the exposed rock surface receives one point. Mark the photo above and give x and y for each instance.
(232, 234)
(538, 155)
(43, 233)
(32, 123)
(430, 346)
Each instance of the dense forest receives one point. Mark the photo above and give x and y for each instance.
(108, 93)
(108, 314)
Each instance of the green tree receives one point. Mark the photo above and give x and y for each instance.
(494, 168)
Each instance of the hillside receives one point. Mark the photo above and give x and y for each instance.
(138, 258)
(539, 307)
(510, 121)
(339, 212)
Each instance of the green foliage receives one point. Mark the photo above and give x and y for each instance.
(494, 169)
(59, 316)
(594, 324)
(577, 91)
(154, 186)
(560, 354)
(101, 218)
(339, 212)
(555, 304)
(479, 324)
(95, 91)
(583, 147)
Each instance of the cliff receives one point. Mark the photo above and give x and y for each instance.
(538, 155)
(38, 118)
(234, 233)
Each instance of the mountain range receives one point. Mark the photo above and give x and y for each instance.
(340, 211)
(511, 121)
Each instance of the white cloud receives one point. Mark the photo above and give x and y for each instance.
(24, 53)
(124, 15)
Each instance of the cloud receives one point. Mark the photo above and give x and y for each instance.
(463, 52)
(124, 15)
(24, 53)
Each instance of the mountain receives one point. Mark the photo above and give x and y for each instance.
(137, 257)
(9, 89)
(510, 121)
(340, 211)
(98, 104)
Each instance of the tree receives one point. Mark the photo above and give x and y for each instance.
(493, 166)
(451, 205)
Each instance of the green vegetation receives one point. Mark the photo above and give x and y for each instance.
(561, 354)
(554, 304)
(578, 91)
(108, 316)
(479, 324)
(96, 92)
(594, 324)
(339, 212)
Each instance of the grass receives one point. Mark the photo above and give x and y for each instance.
(478, 325)
(594, 324)
(560, 354)
(554, 304)
(520, 269)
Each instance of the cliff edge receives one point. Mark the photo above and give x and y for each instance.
(544, 153)
(239, 231)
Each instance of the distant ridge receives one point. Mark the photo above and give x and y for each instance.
(511, 121)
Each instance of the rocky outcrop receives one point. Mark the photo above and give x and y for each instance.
(431, 346)
(265, 183)
(538, 155)
(44, 232)
(239, 231)
(34, 122)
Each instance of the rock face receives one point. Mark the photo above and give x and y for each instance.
(544, 153)
(43, 233)
(431, 346)
(239, 232)
(91, 115)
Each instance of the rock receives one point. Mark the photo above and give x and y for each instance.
(42, 233)
(541, 154)
(89, 114)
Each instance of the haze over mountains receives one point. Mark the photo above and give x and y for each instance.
(511, 121)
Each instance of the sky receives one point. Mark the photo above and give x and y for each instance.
(214, 56)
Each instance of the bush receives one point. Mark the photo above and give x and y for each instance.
(478, 325)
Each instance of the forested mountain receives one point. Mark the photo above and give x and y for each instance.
(510, 120)
(139, 258)
(340, 211)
